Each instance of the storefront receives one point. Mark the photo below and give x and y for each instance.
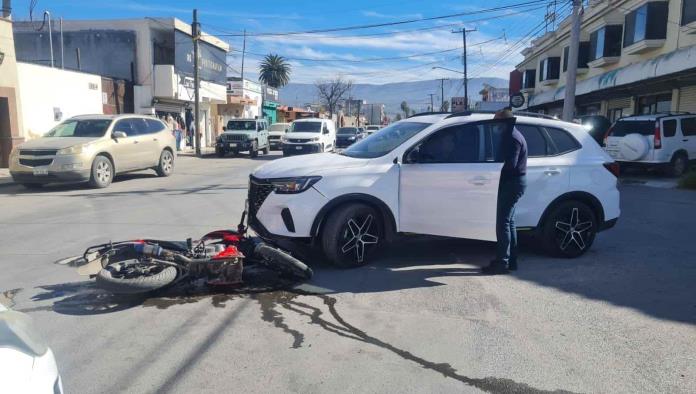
(270, 113)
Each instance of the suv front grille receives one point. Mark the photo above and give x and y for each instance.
(298, 140)
(35, 162)
(259, 190)
(38, 152)
(273, 137)
(234, 137)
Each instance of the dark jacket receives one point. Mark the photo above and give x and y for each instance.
(514, 151)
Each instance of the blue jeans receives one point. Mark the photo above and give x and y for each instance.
(509, 192)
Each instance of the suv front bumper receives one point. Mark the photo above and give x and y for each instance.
(233, 146)
(298, 149)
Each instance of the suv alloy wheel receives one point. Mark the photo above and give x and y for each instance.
(569, 229)
(351, 233)
(166, 164)
(678, 165)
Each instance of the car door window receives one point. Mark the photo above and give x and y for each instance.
(154, 126)
(688, 126)
(562, 141)
(669, 127)
(456, 144)
(537, 146)
(127, 126)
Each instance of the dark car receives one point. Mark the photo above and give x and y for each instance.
(347, 136)
(597, 126)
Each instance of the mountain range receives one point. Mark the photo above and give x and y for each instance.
(416, 94)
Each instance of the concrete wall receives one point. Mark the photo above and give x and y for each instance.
(51, 95)
(10, 107)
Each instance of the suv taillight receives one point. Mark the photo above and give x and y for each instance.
(657, 139)
(607, 134)
(613, 167)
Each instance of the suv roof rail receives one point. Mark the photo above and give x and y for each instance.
(521, 113)
(426, 114)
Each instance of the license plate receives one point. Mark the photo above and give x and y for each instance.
(232, 145)
(40, 171)
(298, 147)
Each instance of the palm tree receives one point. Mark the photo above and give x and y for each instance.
(274, 71)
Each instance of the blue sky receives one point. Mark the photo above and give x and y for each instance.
(493, 48)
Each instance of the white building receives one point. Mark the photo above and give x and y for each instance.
(244, 100)
(154, 54)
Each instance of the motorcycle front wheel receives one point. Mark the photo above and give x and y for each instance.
(277, 260)
(134, 276)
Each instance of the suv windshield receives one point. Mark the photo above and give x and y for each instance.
(306, 127)
(80, 128)
(246, 125)
(625, 127)
(278, 127)
(388, 138)
(348, 130)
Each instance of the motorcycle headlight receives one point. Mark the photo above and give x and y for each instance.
(294, 185)
(73, 150)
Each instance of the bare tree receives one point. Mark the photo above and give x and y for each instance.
(445, 106)
(332, 91)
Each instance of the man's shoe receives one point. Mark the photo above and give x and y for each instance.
(512, 266)
(495, 268)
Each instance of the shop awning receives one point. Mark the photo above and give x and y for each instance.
(240, 100)
(678, 61)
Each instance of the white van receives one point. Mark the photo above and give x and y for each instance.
(310, 136)
(275, 133)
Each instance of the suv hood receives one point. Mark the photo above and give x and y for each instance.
(303, 135)
(56, 142)
(247, 132)
(304, 165)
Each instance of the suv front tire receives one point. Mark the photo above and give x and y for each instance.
(569, 230)
(351, 233)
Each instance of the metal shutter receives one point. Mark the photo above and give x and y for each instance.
(624, 102)
(687, 99)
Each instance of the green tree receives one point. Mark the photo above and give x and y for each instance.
(413, 112)
(274, 71)
(397, 117)
(405, 108)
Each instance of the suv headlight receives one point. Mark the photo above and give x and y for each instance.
(73, 150)
(294, 185)
(316, 139)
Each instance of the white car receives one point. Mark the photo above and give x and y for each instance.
(27, 364)
(275, 133)
(437, 174)
(370, 129)
(312, 135)
(667, 141)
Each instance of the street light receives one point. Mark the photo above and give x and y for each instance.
(448, 69)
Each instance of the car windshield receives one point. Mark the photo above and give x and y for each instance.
(246, 125)
(278, 127)
(80, 128)
(306, 127)
(625, 127)
(390, 137)
(348, 130)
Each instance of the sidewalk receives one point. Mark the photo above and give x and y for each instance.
(5, 178)
(205, 151)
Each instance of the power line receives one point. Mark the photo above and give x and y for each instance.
(407, 21)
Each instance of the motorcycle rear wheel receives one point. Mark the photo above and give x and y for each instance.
(134, 276)
(277, 260)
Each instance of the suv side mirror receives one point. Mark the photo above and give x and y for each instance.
(326, 130)
(118, 134)
(413, 156)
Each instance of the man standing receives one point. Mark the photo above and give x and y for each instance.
(513, 183)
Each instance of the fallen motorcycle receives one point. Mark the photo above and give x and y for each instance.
(144, 265)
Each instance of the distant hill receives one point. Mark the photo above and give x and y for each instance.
(416, 94)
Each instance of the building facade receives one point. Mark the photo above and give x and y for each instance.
(10, 106)
(154, 55)
(635, 57)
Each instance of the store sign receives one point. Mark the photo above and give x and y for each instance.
(517, 100)
(187, 82)
(212, 65)
(458, 104)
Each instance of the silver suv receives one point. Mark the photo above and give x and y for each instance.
(666, 141)
(94, 148)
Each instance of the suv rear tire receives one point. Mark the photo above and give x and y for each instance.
(166, 164)
(569, 229)
(254, 150)
(351, 233)
(678, 165)
(266, 151)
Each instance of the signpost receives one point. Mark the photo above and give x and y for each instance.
(458, 104)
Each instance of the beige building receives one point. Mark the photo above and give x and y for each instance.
(635, 57)
(10, 108)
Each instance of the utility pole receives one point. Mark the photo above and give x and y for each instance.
(466, 79)
(243, 53)
(442, 93)
(195, 30)
(47, 15)
(569, 101)
(431, 102)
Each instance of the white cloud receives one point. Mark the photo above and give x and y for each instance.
(379, 15)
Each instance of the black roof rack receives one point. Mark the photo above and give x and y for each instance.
(520, 113)
(428, 113)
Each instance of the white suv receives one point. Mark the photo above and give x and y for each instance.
(661, 140)
(311, 135)
(437, 174)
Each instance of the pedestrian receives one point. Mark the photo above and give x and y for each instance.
(513, 182)
(178, 134)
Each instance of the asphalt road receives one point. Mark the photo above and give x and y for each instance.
(621, 319)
